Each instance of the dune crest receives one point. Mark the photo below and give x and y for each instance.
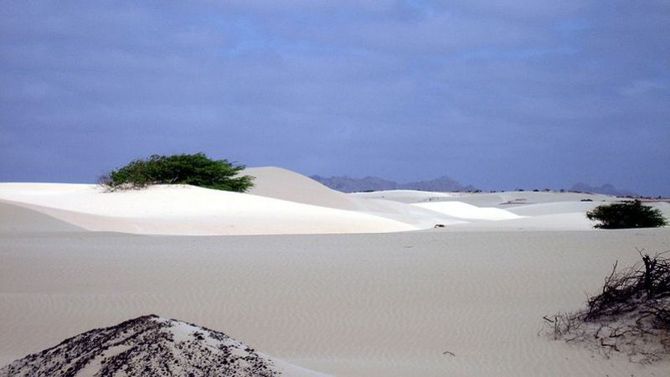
(279, 183)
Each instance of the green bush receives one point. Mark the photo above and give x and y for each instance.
(630, 214)
(189, 169)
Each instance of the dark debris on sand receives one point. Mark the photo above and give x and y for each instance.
(146, 346)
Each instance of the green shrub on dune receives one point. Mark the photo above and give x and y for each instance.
(189, 169)
(630, 214)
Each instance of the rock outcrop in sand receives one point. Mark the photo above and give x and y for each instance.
(148, 346)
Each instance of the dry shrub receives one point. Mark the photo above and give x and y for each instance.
(631, 315)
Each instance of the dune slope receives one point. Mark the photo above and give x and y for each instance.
(468, 211)
(284, 184)
(17, 219)
(278, 183)
(188, 210)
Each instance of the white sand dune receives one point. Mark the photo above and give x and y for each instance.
(553, 208)
(566, 221)
(404, 196)
(504, 211)
(511, 199)
(371, 304)
(188, 210)
(664, 207)
(422, 218)
(541, 216)
(278, 183)
(284, 184)
(284, 202)
(16, 219)
(468, 211)
(548, 197)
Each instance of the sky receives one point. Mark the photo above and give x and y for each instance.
(501, 95)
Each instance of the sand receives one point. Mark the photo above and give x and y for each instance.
(348, 305)
(405, 196)
(278, 183)
(16, 219)
(284, 184)
(284, 202)
(368, 304)
(468, 211)
(188, 210)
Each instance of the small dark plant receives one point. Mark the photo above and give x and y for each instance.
(643, 285)
(628, 214)
(190, 169)
(630, 315)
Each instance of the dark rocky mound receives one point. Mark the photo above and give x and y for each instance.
(146, 346)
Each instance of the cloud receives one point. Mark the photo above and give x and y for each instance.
(501, 94)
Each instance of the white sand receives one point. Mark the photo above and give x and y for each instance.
(278, 183)
(345, 304)
(510, 199)
(349, 305)
(553, 208)
(405, 196)
(188, 210)
(468, 211)
(15, 219)
(312, 208)
(284, 184)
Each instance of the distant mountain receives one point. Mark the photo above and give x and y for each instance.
(348, 184)
(606, 189)
(443, 183)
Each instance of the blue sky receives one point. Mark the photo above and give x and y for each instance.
(501, 94)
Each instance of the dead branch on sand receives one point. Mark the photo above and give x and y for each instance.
(631, 315)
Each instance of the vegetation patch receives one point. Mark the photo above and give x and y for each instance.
(188, 169)
(629, 214)
(631, 315)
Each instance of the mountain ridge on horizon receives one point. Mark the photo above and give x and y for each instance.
(370, 183)
(607, 189)
(443, 184)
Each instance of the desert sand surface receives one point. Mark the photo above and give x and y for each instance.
(347, 305)
(394, 299)
(188, 210)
